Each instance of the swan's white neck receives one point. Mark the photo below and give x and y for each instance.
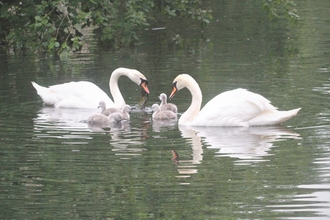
(114, 89)
(196, 102)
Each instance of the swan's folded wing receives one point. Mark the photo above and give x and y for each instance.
(234, 107)
(74, 89)
(79, 94)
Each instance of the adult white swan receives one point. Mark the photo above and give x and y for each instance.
(237, 107)
(84, 94)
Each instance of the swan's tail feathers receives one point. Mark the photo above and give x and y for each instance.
(37, 87)
(286, 115)
(273, 117)
(45, 94)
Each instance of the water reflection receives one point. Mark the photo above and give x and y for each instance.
(159, 125)
(63, 119)
(324, 89)
(127, 144)
(188, 167)
(314, 199)
(71, 124)
(72, 119)
(114, 127)
(246, 144)
(251, 143)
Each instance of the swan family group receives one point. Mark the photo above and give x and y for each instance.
(237, 107)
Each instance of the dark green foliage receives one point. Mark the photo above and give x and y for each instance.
(279, 8)
(61, 25)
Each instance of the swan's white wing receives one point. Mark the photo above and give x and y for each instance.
(232, 108)
(73, 95)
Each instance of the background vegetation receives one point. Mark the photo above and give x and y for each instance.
(60, 26)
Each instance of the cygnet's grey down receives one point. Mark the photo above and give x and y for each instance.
(104, 121)
(98, 120)
(162, 114)
(166, 106)
(107, 111)
(121, 115)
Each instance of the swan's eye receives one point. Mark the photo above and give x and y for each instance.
(144, 81)
(144, 84)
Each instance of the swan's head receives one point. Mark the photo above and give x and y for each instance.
(162, 97)
(139, 79)
(142, 81)
(180, 82)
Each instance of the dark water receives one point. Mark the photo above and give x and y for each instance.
(54, 167)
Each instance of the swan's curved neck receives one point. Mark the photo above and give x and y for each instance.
(118, 98)
(196, 102)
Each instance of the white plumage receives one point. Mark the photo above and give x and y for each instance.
(237, 107)
(84, 94)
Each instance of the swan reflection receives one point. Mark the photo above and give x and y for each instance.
(72, 120)
(71, 125)
(246, 144)
(64, 119)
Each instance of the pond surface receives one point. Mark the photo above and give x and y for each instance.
(54, 167)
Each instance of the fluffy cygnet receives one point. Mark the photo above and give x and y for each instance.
(162, 115)
(101, 120)
(98, 120)
(121, 115)
(166, 106)
(107, 111)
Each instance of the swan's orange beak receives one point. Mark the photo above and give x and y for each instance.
(144, 85)
(174, 90)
